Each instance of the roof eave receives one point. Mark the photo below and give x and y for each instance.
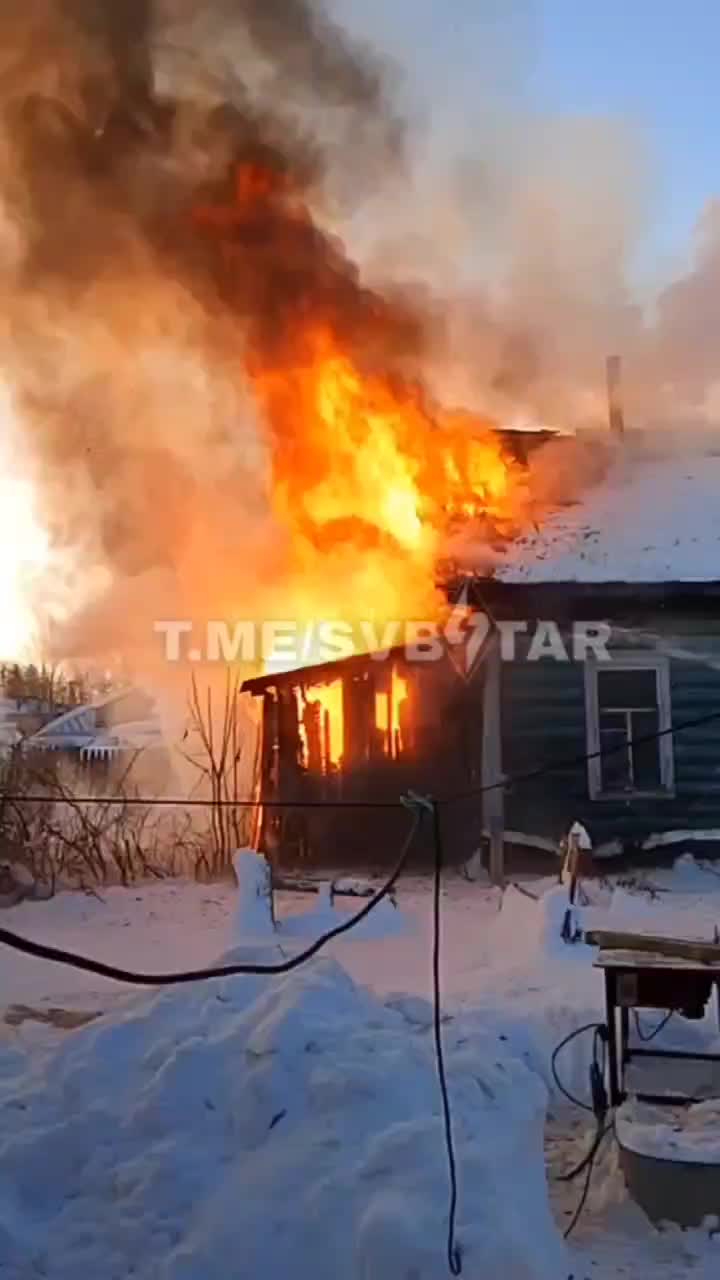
(322, 673)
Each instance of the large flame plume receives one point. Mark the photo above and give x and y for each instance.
(220, 418)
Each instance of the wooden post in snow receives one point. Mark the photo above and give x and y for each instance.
(573, 866)
(493, 813)
(614, 391)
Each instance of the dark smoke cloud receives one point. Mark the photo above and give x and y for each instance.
(111, 160)
(123, 183)
(122, 33)
(310, 53)
(139, 282)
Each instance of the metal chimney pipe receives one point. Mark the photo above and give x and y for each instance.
(614, 391)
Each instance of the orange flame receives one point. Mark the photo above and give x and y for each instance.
(329, 699)
(368, 475)
(389, 714)
(367, 480)
(354, 448)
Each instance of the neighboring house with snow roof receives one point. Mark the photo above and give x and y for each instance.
(20, 718)
(116, 727)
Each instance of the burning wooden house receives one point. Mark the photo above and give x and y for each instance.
(624, 738)
(359, 733)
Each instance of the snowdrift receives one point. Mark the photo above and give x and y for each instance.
(268, 1128)
(253, 914)
(546, 989)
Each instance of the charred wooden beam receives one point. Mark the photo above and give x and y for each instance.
(493, 800)
(285, 885)
(315, 735)
(358, 718)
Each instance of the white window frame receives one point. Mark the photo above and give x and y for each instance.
(629, 661)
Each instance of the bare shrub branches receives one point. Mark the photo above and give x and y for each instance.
(48, 827)
(222, 743)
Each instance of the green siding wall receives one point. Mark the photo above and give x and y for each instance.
(544, 721)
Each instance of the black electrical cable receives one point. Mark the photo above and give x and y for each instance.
(453, 1252)
(585, 757)
(579, 1031)
(172, 802)
(419, 807)
(59, 956)
(532, 775)
(600, 1037)
(581, 1203)
(601, 1132)
(646, 1039)
(599, 1109)
(589, 1163)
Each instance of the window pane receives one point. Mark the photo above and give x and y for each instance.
(629, 688)
(615, 766)
(646, 755)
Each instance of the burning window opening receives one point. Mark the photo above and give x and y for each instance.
(367, 721)
(391, 715)
(321, 725)
(402, 724)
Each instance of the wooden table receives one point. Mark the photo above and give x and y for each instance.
(639, 979)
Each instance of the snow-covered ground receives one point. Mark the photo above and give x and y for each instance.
(292, 1126)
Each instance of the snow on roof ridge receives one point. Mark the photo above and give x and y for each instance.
(97, 704)
(655, 518)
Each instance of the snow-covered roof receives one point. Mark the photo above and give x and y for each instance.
(15, 716)
(78, 729)
(136, 735)
(72, 728)
(651, 520)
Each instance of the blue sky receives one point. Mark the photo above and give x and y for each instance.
(655, 63)
(651, 65)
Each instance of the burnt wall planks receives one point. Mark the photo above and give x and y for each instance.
(441, 754)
